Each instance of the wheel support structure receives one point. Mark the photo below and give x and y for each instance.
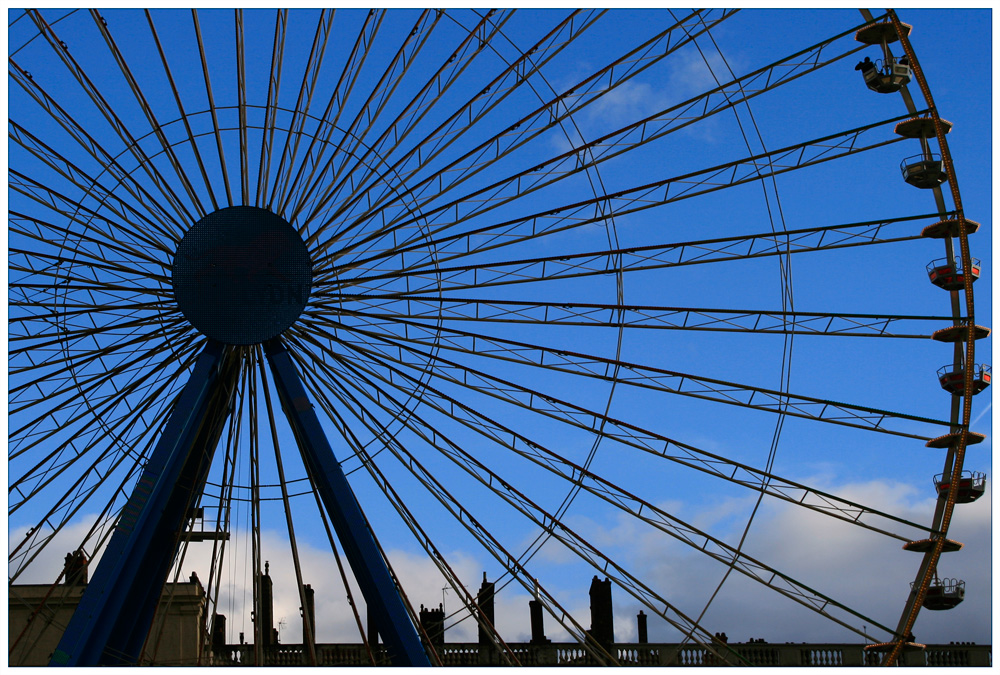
(110, 625)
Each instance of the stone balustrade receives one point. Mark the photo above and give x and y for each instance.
(644, 655)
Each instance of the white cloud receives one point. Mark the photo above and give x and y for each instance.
(627, 102)
(691, 73)
(866, 571)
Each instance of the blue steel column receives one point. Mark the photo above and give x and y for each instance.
(116, 610)
(366, 561)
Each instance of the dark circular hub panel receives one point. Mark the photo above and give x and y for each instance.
(242, 275)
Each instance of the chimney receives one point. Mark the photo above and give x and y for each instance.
(602, 626)
(309, 628)
(643, 633)
(537, 627)
(486, 614)
(268, 636)
(372, 629)
(432, 621)
(75, 569)
(218, 633)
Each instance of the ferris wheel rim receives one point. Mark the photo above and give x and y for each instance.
(428, 374)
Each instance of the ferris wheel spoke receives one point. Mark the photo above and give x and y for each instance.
(329, 381)
(68, 327)
(67, 208)
(97, 536)
(308, 628)
(451, 131)
(123, 235)
(58, 598)
(629, 503)
(44, 232)
(98, 257)
(140, 343)
(372, 108)
(66, 365)
(110, 303)
(118, 272)
(657, 379)
(345, 172)
(180, 109)
(58, 386)
(253, 455)
(320, 386)
(111, 437)
(271, 107)
(397, 502)
(436, 438)
(492, 95)
(152, 644)
(71, 382)
(319, 142)
(130, 291)
(300, 113)
(548, 115)
(75, 309)
(34, 542)
(150, 116)
(641, 198)
(366, 640)
(541, 403)
(392, 611)
(647, 441)
(107, 403)
(167, 222)
(48, 470)
(56, 336)
(241, 93)
(429, 95)
(212, 107)
(652, 257)
(224, 512)
(587, 314)
(108, 112)
(109, 430)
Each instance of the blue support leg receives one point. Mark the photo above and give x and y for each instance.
(381, 594)
(116, 610)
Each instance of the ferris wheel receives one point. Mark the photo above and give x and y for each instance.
(563, 293)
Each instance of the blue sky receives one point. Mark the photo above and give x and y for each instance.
(435, 366)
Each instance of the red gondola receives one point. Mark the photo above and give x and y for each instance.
(949, 275)
(953, 381)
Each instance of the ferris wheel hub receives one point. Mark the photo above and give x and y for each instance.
(241, 275)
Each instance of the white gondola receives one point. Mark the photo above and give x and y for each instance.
(923, 171)
(886, 77)
(944, 594)
(969, 487)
